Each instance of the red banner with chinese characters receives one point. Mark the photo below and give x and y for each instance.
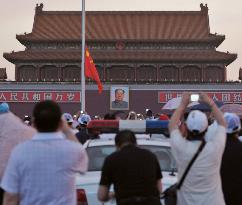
(226, 97)
(36, 96)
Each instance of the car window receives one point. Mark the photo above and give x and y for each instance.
(98, 154)
(164, 156)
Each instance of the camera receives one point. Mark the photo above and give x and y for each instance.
(194, 97)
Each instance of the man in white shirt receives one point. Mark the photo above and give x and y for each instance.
(202, 185)
(42, 171)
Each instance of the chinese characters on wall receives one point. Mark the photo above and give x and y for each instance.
(36, 96)
(225, 97)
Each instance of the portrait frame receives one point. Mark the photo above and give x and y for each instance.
(125, 105)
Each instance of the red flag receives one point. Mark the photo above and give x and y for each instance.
(91, 71)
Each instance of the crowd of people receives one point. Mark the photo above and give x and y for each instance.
(39, 158)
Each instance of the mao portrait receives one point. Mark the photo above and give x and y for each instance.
(119, 98)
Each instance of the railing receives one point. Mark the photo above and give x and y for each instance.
(122, 82)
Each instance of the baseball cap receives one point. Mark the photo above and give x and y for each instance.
(68, 117)
(197, 121)
(4, 107)
(84, 119)
(233, 122)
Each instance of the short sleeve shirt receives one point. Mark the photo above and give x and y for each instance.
(202, 184)
(133, 172)
(43, 170)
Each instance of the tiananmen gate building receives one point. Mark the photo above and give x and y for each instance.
(153, 55)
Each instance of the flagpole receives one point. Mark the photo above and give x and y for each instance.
(83, 89)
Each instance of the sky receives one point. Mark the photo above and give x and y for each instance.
(225, 17)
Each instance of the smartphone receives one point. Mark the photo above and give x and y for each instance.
(194, 97)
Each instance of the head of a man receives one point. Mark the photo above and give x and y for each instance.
(233, 124)
(197, 125)
(119, 94)
(47, 116)
(68, 118)
(84, 119)
(149, 113)
(27, 120)
(124, 138)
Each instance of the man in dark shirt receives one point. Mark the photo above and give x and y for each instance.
(134, 172)
(83, 135)
(231, 168)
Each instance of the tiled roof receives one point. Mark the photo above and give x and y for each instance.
(124, 56)
(3, 74)
(121, 25)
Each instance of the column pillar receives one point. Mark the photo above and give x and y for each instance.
(202, 67)
(40, 77)
(60, 72)
(104, 72)
(135, 73)
(37, 67)
(157, 72)
(179, 73)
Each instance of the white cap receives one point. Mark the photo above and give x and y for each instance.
(84, 119)
(68, 117)
(197, 121)
(233, 122)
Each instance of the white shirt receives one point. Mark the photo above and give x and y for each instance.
(202, 185)
(42, 170)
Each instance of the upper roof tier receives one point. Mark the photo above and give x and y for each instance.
(121, 25)
(74, 55)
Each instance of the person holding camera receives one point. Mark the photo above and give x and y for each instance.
(202, 184)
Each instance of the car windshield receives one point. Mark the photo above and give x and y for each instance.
(97, 154)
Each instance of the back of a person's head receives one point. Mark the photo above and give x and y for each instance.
(109, 116)
(233, 124)
(197, 124)
(149, 113)
(84, 120)
(47, 116)
(125, 137)
(4, 108)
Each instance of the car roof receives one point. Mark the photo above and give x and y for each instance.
(109, 142)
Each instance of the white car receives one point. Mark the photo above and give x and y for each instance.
(98, 150)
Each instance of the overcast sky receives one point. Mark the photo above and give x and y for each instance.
(225, 18)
